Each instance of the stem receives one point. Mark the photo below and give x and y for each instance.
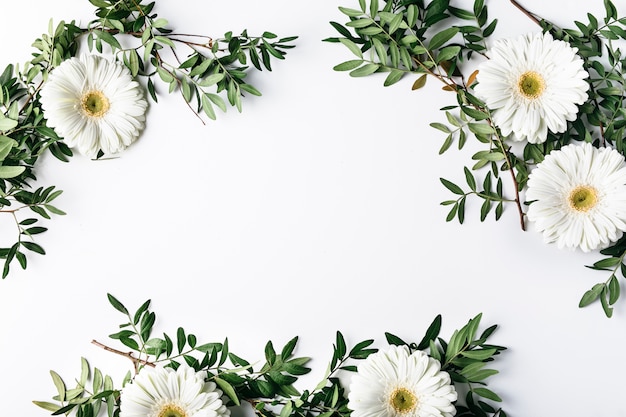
(528, 14)
(517, 198)
(487, 197)
(136, 361)
(518, 203)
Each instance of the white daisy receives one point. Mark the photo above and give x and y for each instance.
(94, 104)
(532, 83)
(397, 383)
(578, 196)
(165, 392)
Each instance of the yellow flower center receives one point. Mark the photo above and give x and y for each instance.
(531, 85)
(583, 198)
(171, 410)
(402, 400)
(95, 104)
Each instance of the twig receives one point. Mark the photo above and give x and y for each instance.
(528, 14)
(136, 361)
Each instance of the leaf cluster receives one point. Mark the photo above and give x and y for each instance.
(214, 68)
(465, 356)
(39, 202)
(211, 66)
(94, 391)
(487, 192)
(602, 120)
(269, 386)
(412, 37)
(434, 39)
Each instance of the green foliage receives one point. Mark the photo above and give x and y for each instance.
(213, 75)
(211, 66)
(411, 38)
(434, 39)
(602, 120)
(424, 39)
(269, 385)
(465, 357)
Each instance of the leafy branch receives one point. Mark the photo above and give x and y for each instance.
(212, 68)
(270, 389)
(602, 121)
(405, 38)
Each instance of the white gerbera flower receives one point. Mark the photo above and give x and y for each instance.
(94, 104)
(532, 83)
(165, 392)
(578, 196)
(397, 383)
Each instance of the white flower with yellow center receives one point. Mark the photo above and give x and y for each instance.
(398, 383)
(165, 392)
(533, 84)
(94, 104)
(578, 197)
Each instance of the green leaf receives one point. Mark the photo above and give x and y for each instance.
(360, 23)
(365, 70)
(591, 295)
(452, 187)
(250, 89)
(54, 210)
(181, 339)
(440, 126)
(117, 305)
(361, 351)
(475, 114)
(211, 79)
(47, 406)
(228, 390)
(165, 41)
(7, 124)
(446, 144)
(442, 37)
(448, 53)
(487, 393)
(286, 410)
(340, 345)
(59, 384)
(34, 230)
(165, 75)
(6, 144)
(270, 353)
(348, 65)
(217, 100)
(287, 350)
(607, 263)
(9, 171)
(207, 107)
(614, 290)
(469, 177)
(108, 38)
(481, 129)
(394, 76)
(133, 62)
(350, 12)
(461, 14)
(479, 354)
(143, 308)
(381, 52)
(488, 156)
(392, 339)
(352, 47)
(431, 333)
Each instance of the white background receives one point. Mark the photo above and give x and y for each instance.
(315, 210)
